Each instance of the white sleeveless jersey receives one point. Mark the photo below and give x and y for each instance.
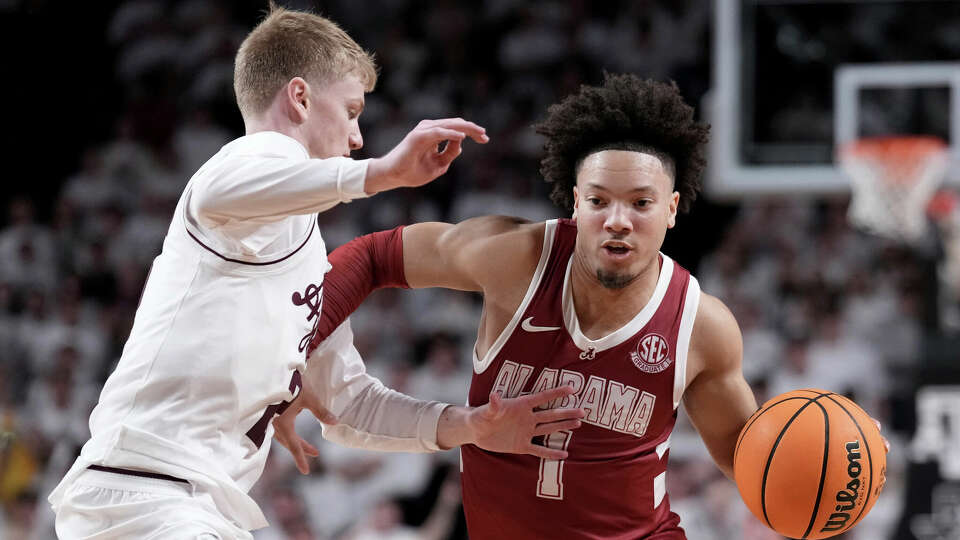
(222, 329)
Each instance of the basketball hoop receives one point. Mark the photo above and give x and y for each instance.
(893, 179)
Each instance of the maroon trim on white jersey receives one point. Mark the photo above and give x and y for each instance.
(141, 474)
(316, 224)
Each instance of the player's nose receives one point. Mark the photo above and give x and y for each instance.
(356, 141)
(618, 219)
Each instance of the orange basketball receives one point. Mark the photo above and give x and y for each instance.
(810, 464)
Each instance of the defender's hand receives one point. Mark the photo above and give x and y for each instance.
(284, 426)
(417, 159)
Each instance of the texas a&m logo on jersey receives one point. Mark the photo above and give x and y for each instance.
(312, 297)
(652, 354)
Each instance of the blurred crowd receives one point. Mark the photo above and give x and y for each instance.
(820, 305)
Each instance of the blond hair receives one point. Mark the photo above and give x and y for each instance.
(288, 44)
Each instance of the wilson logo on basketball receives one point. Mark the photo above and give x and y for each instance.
(652, 354)
(847, 498)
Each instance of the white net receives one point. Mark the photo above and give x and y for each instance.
(893, 179)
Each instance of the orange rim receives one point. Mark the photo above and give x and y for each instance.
(895, 148)
(898, 157)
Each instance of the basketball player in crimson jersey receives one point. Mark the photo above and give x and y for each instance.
(588, 302)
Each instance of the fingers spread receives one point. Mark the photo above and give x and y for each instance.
(309, 449)
(299, 449)
(553, 415)
(300, 459)
(496, 402)
(545, 453)
(284, 432)
(546, 429)
(542, 398)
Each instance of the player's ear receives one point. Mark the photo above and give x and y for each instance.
(297, 94)
(674, 204)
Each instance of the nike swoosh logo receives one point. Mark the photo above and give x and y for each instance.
(531, 328)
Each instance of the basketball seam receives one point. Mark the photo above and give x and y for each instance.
(823, 468)
(766, 469)
(869, 458)
(756, 415)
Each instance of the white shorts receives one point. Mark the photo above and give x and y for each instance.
(105, 505)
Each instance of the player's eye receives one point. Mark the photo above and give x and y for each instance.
(352, 113)
(642, 203)
(594, 201)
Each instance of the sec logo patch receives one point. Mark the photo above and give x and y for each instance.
(652, 354)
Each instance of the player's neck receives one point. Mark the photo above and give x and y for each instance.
(602, 310)
(271, 122)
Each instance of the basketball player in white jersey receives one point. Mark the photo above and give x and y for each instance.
(183, 425)
(589, 303)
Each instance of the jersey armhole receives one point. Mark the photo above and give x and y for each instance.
(481, 365)
(687, 318)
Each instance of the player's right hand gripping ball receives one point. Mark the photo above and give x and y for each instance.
(810, 464)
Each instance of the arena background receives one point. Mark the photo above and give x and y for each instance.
(111, 106)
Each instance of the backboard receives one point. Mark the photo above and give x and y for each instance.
(793, 79)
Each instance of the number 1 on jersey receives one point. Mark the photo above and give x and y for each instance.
(550, 484)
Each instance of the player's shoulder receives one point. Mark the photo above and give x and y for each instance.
(498, 224)
(498, 234)
(499, 249)
(716, 335)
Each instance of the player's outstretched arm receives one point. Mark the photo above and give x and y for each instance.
(488, 254)
(337, 390)
(417, 159)
(264, 188)
(502, 425)
(718, 399)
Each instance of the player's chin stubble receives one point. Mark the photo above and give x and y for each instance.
(612, 280)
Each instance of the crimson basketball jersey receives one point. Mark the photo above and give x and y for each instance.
(613, 484)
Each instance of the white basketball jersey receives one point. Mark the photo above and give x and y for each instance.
(218, 344)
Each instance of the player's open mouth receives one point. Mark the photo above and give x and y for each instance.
(617, 249)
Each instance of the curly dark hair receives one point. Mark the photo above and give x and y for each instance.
(625, 113)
